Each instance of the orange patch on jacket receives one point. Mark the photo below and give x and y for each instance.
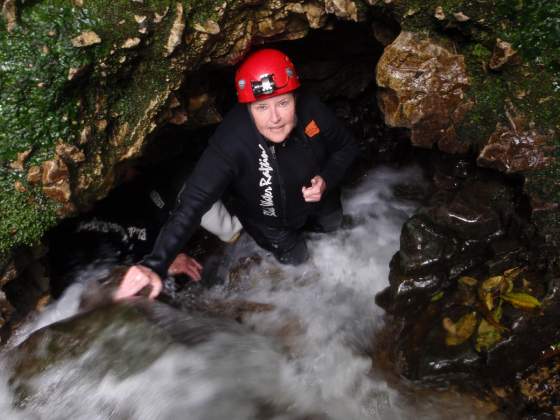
(312, 129)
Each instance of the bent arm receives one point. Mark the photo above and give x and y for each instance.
(210, 178)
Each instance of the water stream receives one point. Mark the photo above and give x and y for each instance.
(308, 358)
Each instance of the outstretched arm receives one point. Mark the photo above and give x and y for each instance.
(210, 178)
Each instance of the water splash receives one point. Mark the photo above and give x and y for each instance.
(307, 358)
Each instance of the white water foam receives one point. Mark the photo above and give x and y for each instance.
(307, 358)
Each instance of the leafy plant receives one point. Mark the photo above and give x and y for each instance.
(492, 293)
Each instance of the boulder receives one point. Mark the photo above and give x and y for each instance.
(423, 86)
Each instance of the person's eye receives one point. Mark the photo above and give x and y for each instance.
(284, 104)
(261, 108)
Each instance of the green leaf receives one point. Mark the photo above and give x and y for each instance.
(437, 296)
(460, 331)
(492, 283)
(497, 313)
(522, 300)
(488, 288)
(487, 336)
(510, 276)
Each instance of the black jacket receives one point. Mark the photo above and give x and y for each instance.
(264, 179)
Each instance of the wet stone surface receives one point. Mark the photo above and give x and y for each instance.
(471, 303)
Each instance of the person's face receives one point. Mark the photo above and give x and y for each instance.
(275, 117)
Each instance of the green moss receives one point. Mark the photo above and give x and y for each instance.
(202, 10)
(34, 112)
(25, 216)
(534, 29)
(40, 106)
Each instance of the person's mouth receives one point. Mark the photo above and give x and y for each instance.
(276, 128)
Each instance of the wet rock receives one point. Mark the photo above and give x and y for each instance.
(452, 233)
(18, 185)
(439, 361)
(122, 338)
(412, 289)
(469, 219)
(85, 39)
(140, 19)
(177, 29)
(56, 180)
(502, 54)
(54, 171)
(76, 72)
(271, 26)
(507, 253)
(473, 212)
(34, 174)
(531, 333)
(421, 350)
(6, 309)
(439, 13)
(59, 192)
(9, 12)
(461, 17)
(450, 249)
(512, 151)
(72, 337)
(70, 153)
(9, 273)
(315, 15)
(231, 309)
(423, 88)
(159, 17)
(131, 43)
(540, 388)
(423, 245)
(345, 9)
(209, 27)
(19, 163)
(408, 292)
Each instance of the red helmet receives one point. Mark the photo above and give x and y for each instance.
(265, 74)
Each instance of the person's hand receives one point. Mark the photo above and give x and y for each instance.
(136, 278)
(184, 264)
(315, 191)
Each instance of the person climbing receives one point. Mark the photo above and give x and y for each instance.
(281, 155)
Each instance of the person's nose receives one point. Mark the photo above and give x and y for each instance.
(274, 115)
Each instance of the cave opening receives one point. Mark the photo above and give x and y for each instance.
(337, 64)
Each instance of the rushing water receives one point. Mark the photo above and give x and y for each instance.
(308, 358)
